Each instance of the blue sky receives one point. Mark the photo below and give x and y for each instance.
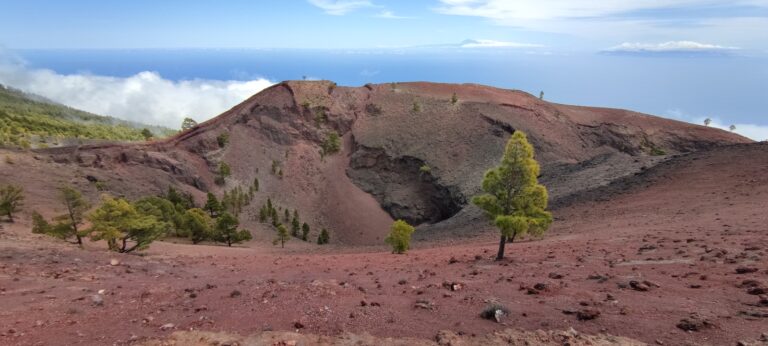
(684, 59)
(559, 24)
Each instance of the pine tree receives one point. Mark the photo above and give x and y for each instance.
(323, 237)
(119, 223)
(513, 199)
(304, 231)
(282, 235)
(188, 123)
(226, 230)
(212, 205)
(263, 214)
(199, 225)
(76, 207)
(295, 225)
(11, 198)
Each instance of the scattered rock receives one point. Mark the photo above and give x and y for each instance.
(298, 325)
(638, 286)
(114, 262)
(453, 286)
(745, 270)
(97, 300)
(694, 323)
(424, 304)
(494, 312)
(235, 294)
(555, 276)
(453, 260)
(587, 314)
(167, 326)
(763, 300)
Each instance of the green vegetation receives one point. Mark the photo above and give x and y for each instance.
(400, 236)
(324, 237)
(222, 174)
(188, 123)
(212, 205)
(222, 140)
(331, 144)
(732, 128)
(11, 198)
(513, 199)
(147, 134)
(226, 230)
(28, 120)
(541, 95)
(424, 169)
(128, 227)
(656, 151)
(707, 121)
(236, 199)
(282, 236)
(67, 225)
(295, 224)
(321, 117)
(119, 223)
(454, 99)
(416, 108)
(198, 224)
(304, 231)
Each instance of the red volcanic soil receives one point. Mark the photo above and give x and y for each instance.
(681, 245)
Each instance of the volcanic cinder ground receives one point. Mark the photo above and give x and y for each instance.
(659, 237)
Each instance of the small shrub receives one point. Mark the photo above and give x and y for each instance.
(224, 172)
(147, 134)
(222, 140)
(372, 109)
(331, 87)
(331, 144)
(100, 186)
(8, 160)
(416, 107)
(425, 169)
(400, 236)
(321, 117)
(658, 151)
(454, 99)
(11, 198)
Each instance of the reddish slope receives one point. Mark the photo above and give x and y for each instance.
(685, 226)
(390, 133)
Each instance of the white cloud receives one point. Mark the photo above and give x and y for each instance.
(751, 131)
(390, 15)
(340, 7)
(625, 20)
(144, 97)
(670, 47)
(559, 9)
(496, 44)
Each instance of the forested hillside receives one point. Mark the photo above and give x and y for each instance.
(31, 121)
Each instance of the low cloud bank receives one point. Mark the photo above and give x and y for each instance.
(145, 97)
(671, 47)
